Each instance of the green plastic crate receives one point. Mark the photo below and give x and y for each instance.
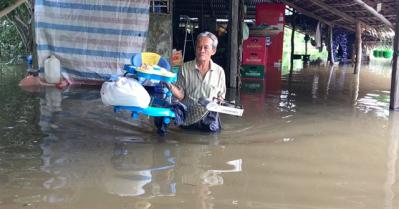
(252, 71)
(252, 85)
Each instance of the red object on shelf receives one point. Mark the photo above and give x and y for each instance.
(272, 15)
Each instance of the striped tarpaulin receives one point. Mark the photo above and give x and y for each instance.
(92, 38)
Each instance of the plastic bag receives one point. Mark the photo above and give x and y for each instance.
(124, 92)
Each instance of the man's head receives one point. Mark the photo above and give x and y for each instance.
(206, 44)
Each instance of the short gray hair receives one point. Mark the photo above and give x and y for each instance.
(209, 35)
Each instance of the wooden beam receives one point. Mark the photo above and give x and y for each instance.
(10, 8)
(314, 16)
(374, 12)
(329, 8)
(339, 13)
(232, 43)
(334, 10)
(358, 47)
(394, 99)
(307, 13)
(342, 4)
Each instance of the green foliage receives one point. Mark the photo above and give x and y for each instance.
(11, 46)
(299, 40)
(16, 38)
(5, 3)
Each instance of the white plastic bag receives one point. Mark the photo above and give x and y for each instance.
(124, 92)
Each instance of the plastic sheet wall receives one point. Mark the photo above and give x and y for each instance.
(343, 44)
(92, 38)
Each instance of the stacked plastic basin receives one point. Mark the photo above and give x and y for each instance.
(379, 53)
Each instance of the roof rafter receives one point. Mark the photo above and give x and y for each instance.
(334, 10)
(374, 12)
(311, 14)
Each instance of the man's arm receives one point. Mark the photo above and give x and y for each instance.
(176, 91)
(222, 85)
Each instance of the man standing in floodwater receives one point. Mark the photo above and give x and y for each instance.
(199, 78)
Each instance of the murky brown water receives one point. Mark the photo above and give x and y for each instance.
(322, 138)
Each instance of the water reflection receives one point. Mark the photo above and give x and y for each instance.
(376, 102)
(49, 105)
(135, 166)
(392, 157)
(117, 159)
(213, 177)
(315, 86)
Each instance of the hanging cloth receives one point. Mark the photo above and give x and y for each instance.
(93, 39)
(245, 31)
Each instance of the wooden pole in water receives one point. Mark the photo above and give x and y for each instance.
(330, 45)
(394, 102)
(358, 47)
(232, 43)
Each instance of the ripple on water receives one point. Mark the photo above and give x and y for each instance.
(376, 102)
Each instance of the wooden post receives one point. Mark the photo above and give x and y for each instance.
(358, 47)
(394, 100)
(330, 45)
(241, 17)
(35, 59)
(232, 69)
(306, 43)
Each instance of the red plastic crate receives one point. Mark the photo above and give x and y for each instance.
(254, 57)
(254, 43)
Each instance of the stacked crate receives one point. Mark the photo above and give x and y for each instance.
(263, 50)
(254, 58)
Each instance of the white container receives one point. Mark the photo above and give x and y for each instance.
(52, 70)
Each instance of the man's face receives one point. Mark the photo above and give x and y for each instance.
(204, 49)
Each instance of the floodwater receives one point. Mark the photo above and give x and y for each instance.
(320, 138)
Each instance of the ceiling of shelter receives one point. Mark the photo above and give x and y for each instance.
(340, 13)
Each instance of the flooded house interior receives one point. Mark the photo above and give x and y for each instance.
(316, 80)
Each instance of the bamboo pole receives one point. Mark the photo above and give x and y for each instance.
(374, 12)
(10, 8)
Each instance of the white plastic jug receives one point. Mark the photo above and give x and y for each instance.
(52, 70)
